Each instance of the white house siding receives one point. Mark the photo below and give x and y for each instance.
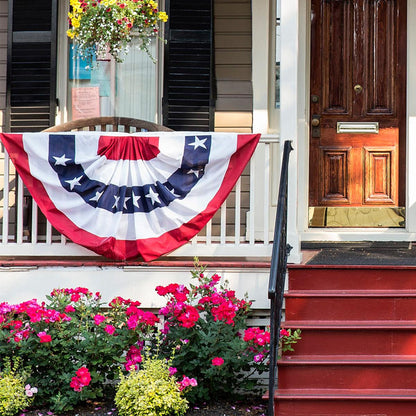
(233, 69)
(233, 75)
(19, 284)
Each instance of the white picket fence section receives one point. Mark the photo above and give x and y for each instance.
(243, 227)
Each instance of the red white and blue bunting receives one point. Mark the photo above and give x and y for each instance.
(124, 196)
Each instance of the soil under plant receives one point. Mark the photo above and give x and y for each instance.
(247, 407)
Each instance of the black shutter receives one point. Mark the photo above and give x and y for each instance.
(31, 65)
(188, 76)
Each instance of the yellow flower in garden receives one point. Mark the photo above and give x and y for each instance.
(70, 33)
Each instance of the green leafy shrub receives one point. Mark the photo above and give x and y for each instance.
(151, 391)
(14, 394)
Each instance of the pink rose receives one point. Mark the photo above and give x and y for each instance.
(98, 319)
(110, 329)
(217, 361)
(76, 384)
(69, 308)
(84, 376)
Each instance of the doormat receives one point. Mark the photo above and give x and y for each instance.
(383, 256)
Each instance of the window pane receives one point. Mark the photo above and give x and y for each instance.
(106, 88)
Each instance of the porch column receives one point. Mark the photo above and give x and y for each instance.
(292, 111)
(411, 123)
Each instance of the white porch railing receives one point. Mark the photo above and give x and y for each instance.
(243, 227)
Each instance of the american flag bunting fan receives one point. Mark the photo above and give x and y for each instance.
(123, 196)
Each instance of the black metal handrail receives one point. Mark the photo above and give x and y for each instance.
(278, 272)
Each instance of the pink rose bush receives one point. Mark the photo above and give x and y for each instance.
(220, 352)
(73, 343)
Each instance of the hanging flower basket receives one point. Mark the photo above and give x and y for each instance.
(102, 26)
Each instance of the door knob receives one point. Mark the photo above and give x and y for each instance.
(358, 88)
(315, 122)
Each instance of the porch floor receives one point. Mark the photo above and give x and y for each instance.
(99, 261)
(359, 253)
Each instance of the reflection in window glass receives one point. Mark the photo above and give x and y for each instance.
(106, 88)
(277, 81)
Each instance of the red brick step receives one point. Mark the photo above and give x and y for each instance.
(357, 355)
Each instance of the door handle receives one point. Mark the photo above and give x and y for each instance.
(315, 121)
(358, 88)
(316, 125)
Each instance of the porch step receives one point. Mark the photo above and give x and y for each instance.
(346, 402)
(357, 355)
(355, 339)
(381, 305)
(339, 372)
(327, 278)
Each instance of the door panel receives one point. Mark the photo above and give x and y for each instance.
(358, 61)
(380, 46)
(335, 79)
(380, 169)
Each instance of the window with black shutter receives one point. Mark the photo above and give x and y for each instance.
(188, 102)
(31, 65)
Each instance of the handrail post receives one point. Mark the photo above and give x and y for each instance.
(278, 268)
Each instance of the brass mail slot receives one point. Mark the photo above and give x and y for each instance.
(357, 127)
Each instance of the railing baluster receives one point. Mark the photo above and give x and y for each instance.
(237, 214)
(252, 199)
(19, 213)
(223, 231)
(34, 226)
(209, 233)
(48, 233)
(6, 190)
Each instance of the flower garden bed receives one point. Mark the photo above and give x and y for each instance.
(246, 407)
(72, 352)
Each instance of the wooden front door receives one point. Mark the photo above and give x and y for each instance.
(357, 103)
